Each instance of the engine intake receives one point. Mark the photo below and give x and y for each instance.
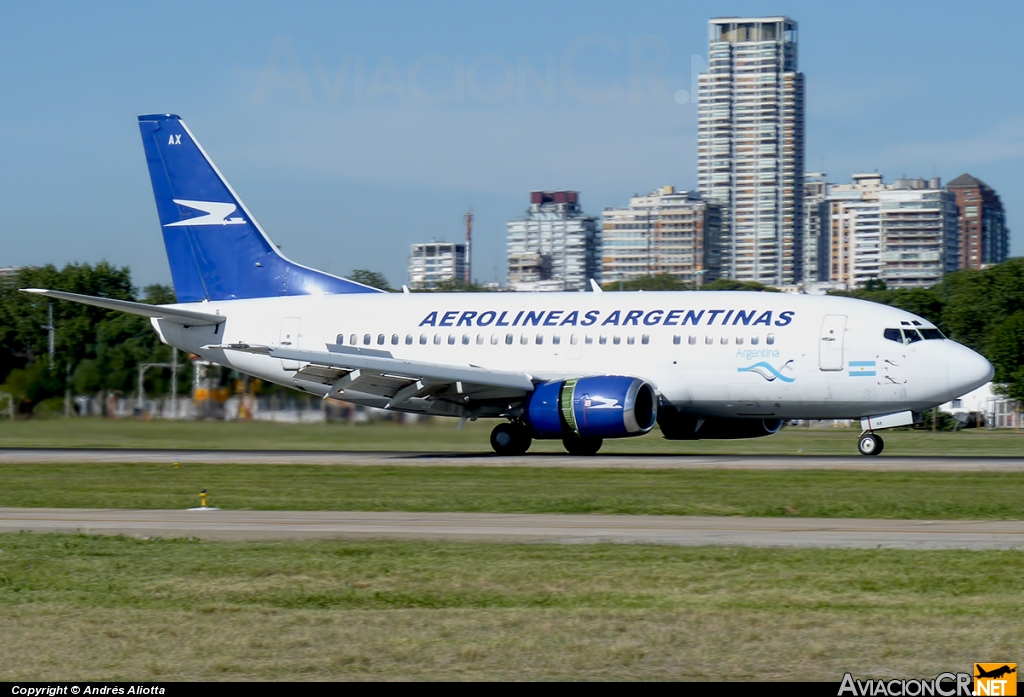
(603, 406)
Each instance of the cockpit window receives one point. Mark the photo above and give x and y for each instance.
(909, 335)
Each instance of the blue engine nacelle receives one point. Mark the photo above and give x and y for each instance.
(603, 406)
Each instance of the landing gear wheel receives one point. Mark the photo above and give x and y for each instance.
(510, 439)
(870, 444)
(582, 446)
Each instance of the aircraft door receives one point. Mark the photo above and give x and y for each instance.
(290, 339)
(830, 345)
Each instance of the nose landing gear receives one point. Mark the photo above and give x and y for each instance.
(870, 444)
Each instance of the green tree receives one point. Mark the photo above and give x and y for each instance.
(729, 284)
(661, 281)
(1006, 351)
(374, 279)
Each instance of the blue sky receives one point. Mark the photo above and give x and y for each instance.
(353, 131)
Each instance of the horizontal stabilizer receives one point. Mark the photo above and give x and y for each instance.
(189, 318)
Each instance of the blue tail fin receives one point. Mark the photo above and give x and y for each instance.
(216, 249)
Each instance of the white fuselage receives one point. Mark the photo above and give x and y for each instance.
(726, 354)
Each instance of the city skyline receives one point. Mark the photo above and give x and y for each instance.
(332, 177)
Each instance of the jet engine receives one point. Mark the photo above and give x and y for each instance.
(677, 426)
(602, 406)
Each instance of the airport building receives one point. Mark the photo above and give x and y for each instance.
(432, 263)
(665, 232)
(555, 245)
(984, 236)
(751, 146)
(905, 233)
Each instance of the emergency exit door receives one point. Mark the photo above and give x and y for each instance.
(830, 344)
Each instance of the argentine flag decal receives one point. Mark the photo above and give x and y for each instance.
(864, 369)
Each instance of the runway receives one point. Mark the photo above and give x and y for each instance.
(435, 459)
(490, 527)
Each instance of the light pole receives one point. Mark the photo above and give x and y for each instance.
(143, 367)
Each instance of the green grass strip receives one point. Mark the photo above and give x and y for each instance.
(811, 493)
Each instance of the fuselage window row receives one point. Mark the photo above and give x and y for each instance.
(897, 335)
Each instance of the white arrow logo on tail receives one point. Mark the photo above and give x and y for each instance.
(216, 214)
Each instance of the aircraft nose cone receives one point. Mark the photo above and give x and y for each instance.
(967, 371)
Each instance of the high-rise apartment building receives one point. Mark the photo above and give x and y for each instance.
(920, 233)
(816, 228)
(984, 237)
(432, 263)
(555, 246)
(904, 233)
(665, 232)
(855, 234)
(751, 146)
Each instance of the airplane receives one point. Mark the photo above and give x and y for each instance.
(579, 367)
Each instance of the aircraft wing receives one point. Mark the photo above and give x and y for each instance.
(189, 318)
(405, 384)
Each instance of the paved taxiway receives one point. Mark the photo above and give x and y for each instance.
(492, 527)
(424, 459)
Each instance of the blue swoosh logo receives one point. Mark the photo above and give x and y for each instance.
(766, 371)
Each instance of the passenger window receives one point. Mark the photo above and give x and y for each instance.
(380, 339)
(540, 339)
(573, 339)
(494, 339)
(366, 339)
(724, 340)
(677, 339)
(770, 340)
(630, 340)
(340, 339)
(755, 340)
(709, 339)
(739, 340)
(602, 340)
(589, 340)
(423, 339)
(394, 339)
(509, 339)
(616, 340)
(465, 339)
(408, 339)
(556, 340)
(692, 340)
(353, 339)
(645, 339)
(524, 339)
(451, 339)
(893, 335)
(479, 339)
(437, 339)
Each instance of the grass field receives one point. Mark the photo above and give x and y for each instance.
(813, 493)
(443, 436)
(91, 608)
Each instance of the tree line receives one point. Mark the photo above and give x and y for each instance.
(97, 349)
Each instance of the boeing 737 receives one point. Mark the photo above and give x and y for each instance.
(577, 367)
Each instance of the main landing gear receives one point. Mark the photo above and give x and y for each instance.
(510, 439)
(870, 444)
(582, 446)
